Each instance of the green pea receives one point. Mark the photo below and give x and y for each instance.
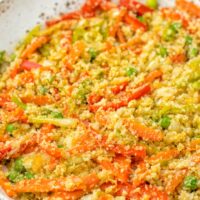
(93, 54)
(28, 175)
(18, 166)
(152, 3)
(165, 122)
(188, 40)
(10, 128)
(163, 52)
(130, 71)
(191, 183)
(57, 115)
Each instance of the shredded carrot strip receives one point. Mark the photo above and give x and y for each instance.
(176, 180)
(144, 132)
(31, 48)
(38, 100)
(57, 184)
(75, 195)
(120, 167)
(121, 36)
(74, 54)
(194, 144)
(189, 7)
(7, 187)
(178, 58)
(113, 30)
(164, 155)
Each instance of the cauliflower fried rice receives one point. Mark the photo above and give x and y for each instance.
(104, 103)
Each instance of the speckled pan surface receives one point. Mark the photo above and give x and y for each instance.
(18, 16)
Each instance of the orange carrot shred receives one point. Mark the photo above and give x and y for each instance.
(144, 132)
(31, 48)
(176, 180)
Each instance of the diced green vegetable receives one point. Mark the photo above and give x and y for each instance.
(65, 122)
(31, 34)
(141, 18)
(18, 102)
(171, 31)
(165, 122)
(18, 166)
(12, 57)
(93, 54)
(10, 128)
(188, 40)
(77, 34)
(193, 52)
(2, 56)
(43, 90)
(152, 3)
(191, 183)
(15, 176)
(45, 50)
(163, 52)
(57, 115)
(83, 90)
(28, 175)
(130, 71)
(60, 146)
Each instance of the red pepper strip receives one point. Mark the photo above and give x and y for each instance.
(134, 22)
(118, 88)
(89, 8)
(68, 16)
(174, 15)
(189, 7)
(136, 94)
(135, 6)
(29, 65)
(94, 98)
(4, 152)
(4, 99)
(113, 29)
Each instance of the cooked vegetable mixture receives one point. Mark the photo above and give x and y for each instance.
(104, 103)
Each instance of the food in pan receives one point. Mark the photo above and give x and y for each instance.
(104, 103)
